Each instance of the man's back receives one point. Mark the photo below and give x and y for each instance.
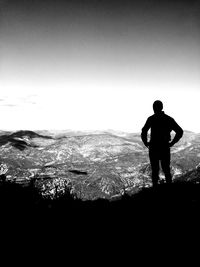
(161, 126)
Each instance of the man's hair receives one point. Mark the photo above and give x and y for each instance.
(157, 106)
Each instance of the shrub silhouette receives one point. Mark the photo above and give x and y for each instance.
(168, 200)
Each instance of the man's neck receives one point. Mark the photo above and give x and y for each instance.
(159, 113)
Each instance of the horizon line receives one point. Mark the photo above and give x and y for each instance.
(80, 130)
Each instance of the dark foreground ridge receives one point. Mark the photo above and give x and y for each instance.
(180, 200)
(167, 214)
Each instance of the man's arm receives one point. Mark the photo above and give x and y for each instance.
(145, 129)
(179, 133)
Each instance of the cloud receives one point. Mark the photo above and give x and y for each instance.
(32, 103)
(9, 105)
(28, 100)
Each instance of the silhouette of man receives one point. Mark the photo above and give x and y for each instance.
(160, 142)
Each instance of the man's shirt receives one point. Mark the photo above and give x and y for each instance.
(161, 126)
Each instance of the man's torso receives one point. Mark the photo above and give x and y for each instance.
(161, 127)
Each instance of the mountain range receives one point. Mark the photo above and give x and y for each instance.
(92, 165)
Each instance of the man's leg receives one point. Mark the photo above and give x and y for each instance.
(165, 163)
(155, 168)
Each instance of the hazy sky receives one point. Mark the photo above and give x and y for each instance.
(98, 64)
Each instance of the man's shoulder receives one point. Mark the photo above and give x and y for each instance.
(161, 116)
(151, 117)
(169, 118)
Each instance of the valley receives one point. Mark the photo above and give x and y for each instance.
(90, 165)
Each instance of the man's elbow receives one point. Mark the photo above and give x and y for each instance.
(144, 130)
(143, 133)
(180, 133)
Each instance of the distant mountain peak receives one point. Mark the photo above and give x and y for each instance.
(28, 133)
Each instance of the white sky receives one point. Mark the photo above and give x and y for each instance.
(94, 106)
(109, 89)
(97, 70)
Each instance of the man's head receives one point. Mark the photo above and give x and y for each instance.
(157, 106)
